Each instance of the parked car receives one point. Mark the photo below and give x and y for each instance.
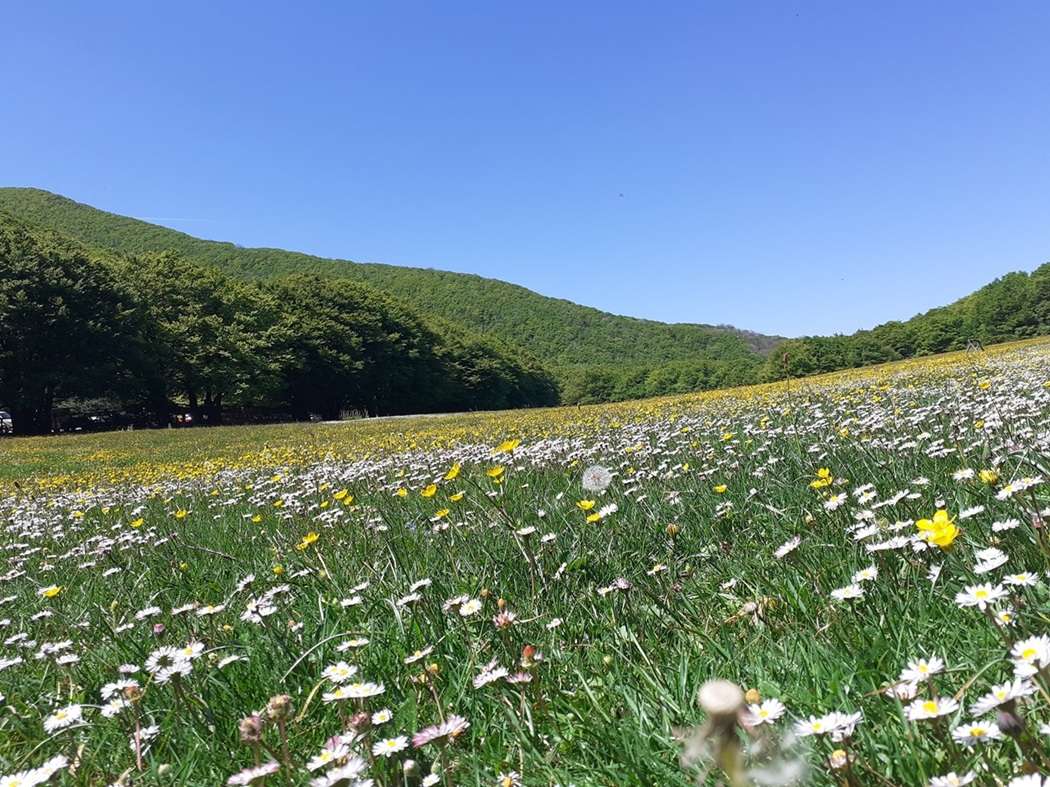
(7, 426)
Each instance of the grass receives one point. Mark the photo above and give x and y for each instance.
(676, 583)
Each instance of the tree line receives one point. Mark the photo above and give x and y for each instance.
(1015, 306)
(161, 335)
(149, 336)
(609, 382)
(561, 333)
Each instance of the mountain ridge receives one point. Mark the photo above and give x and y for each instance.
(593, 356)
(130, 235)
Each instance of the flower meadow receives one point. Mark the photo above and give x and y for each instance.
(838, 580)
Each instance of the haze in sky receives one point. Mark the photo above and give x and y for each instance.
(790, 168)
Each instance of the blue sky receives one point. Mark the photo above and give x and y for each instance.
(785, 167)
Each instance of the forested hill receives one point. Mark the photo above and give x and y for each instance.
(560, 332)
(1014, 306)
(594, 356)
(89, 338)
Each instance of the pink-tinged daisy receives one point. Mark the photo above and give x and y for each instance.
(450, 729)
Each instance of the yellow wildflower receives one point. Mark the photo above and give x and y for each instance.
(940, 531)
(989, 476)
(823, 479)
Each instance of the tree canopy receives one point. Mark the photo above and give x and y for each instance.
(158, 333)
(562, 333)
(185, 323)
(1015, 306)
(66, 325)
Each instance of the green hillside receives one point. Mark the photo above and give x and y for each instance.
(1014, 306)
(559, 331)
(154, 339)
(594, 356)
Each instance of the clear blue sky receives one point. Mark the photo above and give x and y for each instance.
(789, 167)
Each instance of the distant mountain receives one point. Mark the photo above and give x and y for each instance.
(559, 332)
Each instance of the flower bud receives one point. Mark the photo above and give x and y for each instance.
(251, 728)
(721, 699)
(360, 721)
(527, 654)
(1009, 720)
(279, 708)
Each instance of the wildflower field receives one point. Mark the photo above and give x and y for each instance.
(537, 597)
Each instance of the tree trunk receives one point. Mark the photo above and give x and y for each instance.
(158, 405)
(47, 414)
(213, 409)
(195, 408)
(162, 411)
(332, 410)
(31, 419)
